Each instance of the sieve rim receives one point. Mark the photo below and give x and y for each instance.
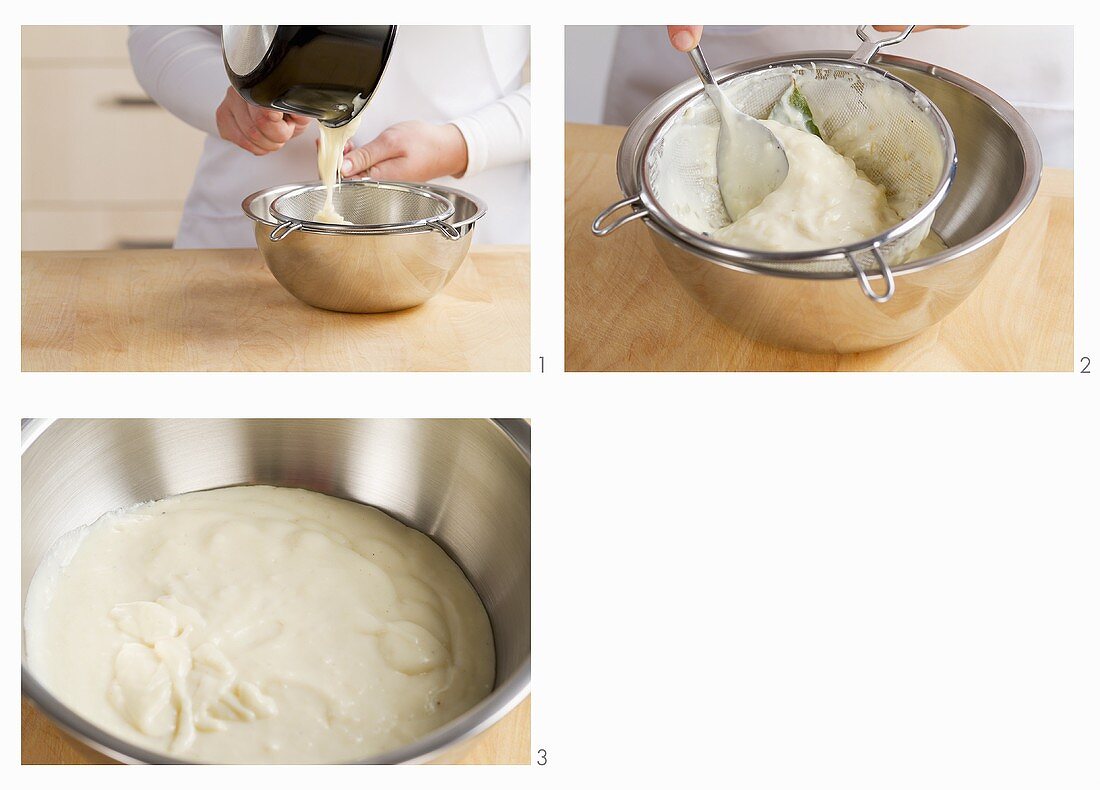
(447, 206)
(658, 215)
(257, 207)
(635, 136)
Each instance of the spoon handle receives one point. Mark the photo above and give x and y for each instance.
(701, 67)
(710, 87)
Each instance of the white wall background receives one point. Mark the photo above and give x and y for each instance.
(588, 51)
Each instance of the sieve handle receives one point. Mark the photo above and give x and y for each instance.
(636, 212)
(870, 47)
(865, 283)
(284, 230)
(450, 231)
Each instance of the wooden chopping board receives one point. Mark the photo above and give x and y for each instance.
(199, 310)
(508, 742)
(625, 311)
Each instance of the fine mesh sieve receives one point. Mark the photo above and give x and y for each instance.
(366, 206)
(893, 133)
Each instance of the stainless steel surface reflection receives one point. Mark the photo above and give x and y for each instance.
(364, 272)
(466, 483)
(999, 166)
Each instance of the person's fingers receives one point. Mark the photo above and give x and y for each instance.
(266, 140)
(223, 116)
(247, 125)
(234, 132)
(259, 139)
(296, 128)
(300, 124)
(272, 126)
(236, 135)
(234, 122)
(396, 169)
(685, 37)
(356, 162)
(360, 160)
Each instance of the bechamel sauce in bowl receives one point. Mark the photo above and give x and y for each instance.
(258, 625)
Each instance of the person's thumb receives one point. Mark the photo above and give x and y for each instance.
(685, 37)
(356, 161)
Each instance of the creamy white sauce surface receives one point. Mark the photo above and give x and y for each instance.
(826, 199)
(258, 624)
(823, 202)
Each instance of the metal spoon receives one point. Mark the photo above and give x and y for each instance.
(751, 161)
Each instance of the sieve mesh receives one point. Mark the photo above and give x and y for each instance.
(365, 205)
(891, 132)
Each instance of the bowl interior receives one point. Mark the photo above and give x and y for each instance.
(465, 483)
(992, 164)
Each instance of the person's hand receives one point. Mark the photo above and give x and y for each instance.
(685, 37)
(255, 129)
(410, 151)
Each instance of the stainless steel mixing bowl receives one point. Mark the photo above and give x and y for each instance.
(466, 483)
(364, 272)
(999, 165)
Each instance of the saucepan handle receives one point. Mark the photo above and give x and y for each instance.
(637, 211)
(865, 282)
(870, 47)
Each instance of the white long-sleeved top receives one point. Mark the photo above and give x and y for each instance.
(469, 76)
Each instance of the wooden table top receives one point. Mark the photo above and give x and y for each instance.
(508, 742)
(198, 310)
(1019, 318)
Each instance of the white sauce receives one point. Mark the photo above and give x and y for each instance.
(330, 157)
(828, 199)
(823, 202)
(258, 624)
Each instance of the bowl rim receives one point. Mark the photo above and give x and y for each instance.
(494, 707)
(446, 191)
(632, 147)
